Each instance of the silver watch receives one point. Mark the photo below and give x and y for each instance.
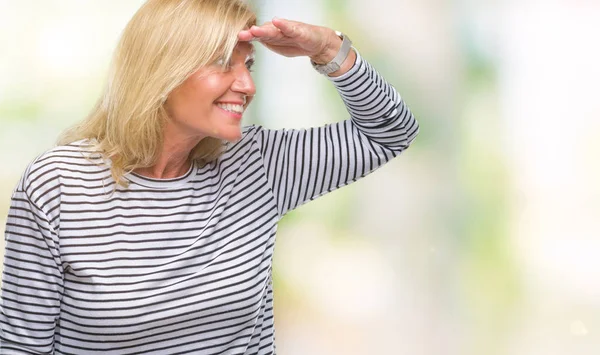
(336, 62)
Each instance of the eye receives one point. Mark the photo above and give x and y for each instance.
(249, 64)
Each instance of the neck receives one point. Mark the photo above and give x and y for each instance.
(174, 160)
(168, 166)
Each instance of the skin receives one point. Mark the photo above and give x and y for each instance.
(199, 94)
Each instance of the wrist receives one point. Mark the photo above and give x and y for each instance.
(331, 48)
(335, 64)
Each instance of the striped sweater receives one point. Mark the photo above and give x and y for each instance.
(181, 265)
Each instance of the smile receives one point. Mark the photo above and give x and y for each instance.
(238, 109)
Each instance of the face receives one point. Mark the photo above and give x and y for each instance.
(211, 102)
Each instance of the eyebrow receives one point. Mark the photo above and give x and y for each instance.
(251, 53)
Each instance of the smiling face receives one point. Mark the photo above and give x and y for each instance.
(211, 102)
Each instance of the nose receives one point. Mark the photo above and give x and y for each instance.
(243, 81)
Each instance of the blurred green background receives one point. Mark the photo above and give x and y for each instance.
(482, 238)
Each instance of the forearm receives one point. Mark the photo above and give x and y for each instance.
(376, 108)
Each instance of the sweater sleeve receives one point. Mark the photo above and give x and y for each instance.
(304, 164)
(31, 279)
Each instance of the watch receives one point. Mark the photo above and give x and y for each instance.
(336, 62)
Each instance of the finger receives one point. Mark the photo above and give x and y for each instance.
(245, 36)
(288, 28)
(266, 31)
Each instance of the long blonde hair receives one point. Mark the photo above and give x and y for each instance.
(162, 45)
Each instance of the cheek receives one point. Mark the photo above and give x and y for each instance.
(197, 95)
(180, 105)
(213, 87)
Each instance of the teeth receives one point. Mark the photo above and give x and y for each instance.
(232, 108)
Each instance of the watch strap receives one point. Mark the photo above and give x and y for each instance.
(336, 63)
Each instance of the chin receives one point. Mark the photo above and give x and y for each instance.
(232, 137)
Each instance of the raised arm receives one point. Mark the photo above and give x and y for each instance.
(304, 164)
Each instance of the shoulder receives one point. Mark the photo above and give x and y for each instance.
(46, 170)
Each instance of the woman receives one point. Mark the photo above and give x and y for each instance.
(150, 228)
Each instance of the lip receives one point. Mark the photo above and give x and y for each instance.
(231, 102)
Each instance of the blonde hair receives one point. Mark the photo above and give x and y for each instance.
(162, 45)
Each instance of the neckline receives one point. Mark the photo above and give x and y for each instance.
(162, 183)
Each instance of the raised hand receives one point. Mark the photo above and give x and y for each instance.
(293, 39)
